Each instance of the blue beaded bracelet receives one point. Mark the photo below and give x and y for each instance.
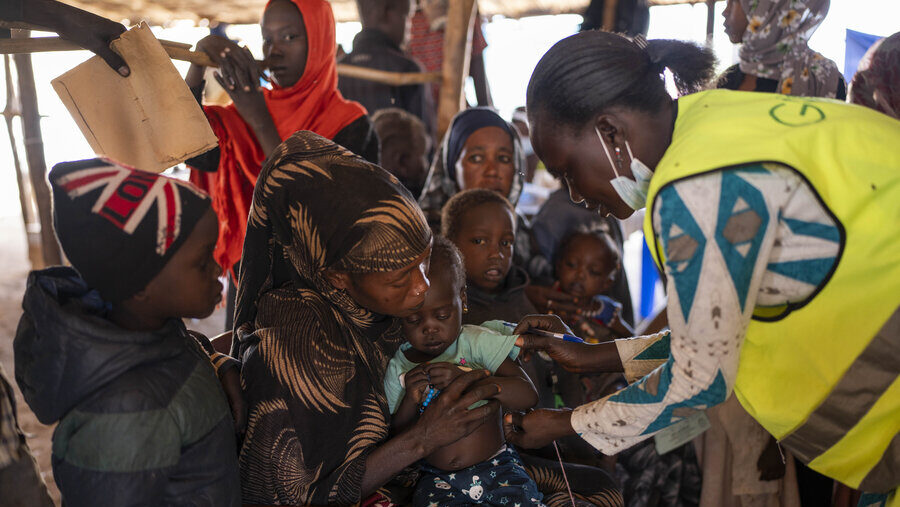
(430, 395)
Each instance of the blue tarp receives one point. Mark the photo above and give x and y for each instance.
(857, 45)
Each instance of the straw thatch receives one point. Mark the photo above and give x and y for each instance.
(248, 11)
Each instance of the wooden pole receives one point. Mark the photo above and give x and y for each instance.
(457, 56)
(609, 15)
(32, 230)
(179, 51)
(34, 154)
(710, 21)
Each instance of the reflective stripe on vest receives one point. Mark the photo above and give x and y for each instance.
(821, 375)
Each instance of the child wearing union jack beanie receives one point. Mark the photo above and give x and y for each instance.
(119, 227)
(101, 349)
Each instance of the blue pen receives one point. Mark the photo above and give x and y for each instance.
(548, 334)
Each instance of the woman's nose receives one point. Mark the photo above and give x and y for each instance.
(490, 168)
(420, 283)
(272, 49)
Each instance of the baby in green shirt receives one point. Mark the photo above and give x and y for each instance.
(437, 350)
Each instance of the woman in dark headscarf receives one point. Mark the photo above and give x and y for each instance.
(335, 248)
(480, 150)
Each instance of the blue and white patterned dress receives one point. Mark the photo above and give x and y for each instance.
(734, 239)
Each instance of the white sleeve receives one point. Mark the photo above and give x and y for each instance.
(716, 232)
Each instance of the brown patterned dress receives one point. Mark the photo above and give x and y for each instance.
(313, 359)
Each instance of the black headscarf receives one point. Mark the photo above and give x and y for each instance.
(313, 359)
(441, 184)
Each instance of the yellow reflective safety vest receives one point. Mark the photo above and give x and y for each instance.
(820, 375)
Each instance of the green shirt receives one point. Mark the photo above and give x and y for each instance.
(477, 347)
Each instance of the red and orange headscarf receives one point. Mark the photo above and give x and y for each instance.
(313, 103)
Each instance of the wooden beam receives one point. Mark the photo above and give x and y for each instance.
(457, 56)
(609, 15)
(19, 25)
(34, 154)
(180, 51)
(387, 77)
(710, 21)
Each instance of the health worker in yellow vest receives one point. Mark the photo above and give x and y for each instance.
(776, 222)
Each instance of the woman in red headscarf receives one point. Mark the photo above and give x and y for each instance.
(299, 48)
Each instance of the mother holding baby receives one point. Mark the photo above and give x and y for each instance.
(322, 283)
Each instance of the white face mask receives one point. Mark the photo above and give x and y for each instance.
(632, 191)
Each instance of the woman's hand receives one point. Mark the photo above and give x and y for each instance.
(217, 47)
(239, 76)
(575, 357)
(447, 418)
(442, 374)
(537, 428)
(550, 323)
(88, 30)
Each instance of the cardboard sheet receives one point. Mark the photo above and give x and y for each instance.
(149, 120)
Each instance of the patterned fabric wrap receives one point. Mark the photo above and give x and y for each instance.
(312, 357)
(501, 480)
(875, 84)
(775, 46)
(673, 479)
(11, 439)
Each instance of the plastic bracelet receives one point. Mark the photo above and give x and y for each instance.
(429, 396)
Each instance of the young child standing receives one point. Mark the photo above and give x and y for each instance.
(586, 267)
(479, 468)
(101, 348)
(482, 224)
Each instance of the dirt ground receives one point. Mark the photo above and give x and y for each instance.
(15, 267)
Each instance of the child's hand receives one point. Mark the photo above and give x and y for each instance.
(550, 300)
(442, 374)
(416, 382)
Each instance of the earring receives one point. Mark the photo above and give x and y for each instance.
(465, 309)
(619, 160)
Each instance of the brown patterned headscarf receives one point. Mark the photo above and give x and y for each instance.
(316, 206)
(313, 359)
(775, 46)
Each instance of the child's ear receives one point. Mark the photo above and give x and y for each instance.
(340, 280)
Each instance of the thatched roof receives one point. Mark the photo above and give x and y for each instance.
(248, 11)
